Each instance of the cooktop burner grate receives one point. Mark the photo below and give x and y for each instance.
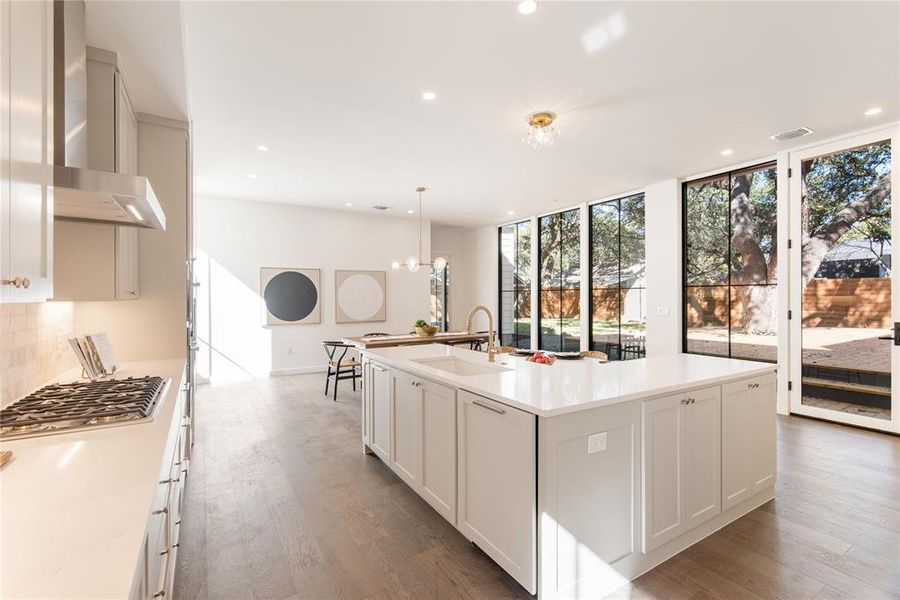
(64, 406)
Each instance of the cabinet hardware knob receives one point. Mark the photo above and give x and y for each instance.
(693, 400)
(18, 282)
(499, 411)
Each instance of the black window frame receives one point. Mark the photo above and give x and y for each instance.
(684, 256)
(537, 274)
(619, 354)
(516, 337)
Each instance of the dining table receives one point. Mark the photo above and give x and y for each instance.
(412, 339)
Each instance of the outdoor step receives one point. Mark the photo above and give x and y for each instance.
(847, 387)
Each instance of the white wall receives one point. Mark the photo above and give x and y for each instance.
(663, 251)
(153, 326)
(235, 238)
(473, 257)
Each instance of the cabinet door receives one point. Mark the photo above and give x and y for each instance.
(761, 438)
(662, 470)
(127, 263)
(748, 438)
(406, 428)
(380, 418)
(439, 448)
(126, 130)
(497, 493)
(702, 455)
(26, 158)
(366, 402)
(735, 443)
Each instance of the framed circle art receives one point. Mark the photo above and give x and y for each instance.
(291, 296)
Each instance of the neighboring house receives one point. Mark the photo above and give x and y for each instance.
(857, 258)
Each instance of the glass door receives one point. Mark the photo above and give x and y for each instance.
(842, 291)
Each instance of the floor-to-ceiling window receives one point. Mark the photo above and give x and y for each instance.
(515, 285)
(440, 297)
(559, 268)
(730, 259)
(618, 291)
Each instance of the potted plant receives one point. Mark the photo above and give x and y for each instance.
(424, 329)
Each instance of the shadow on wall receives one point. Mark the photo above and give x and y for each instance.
(234, 345)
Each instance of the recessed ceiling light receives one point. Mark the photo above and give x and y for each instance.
(252, 175)
(510, 212)
(410, 211)
(262, 148)
(875, 110)
(526, 7)
(727, 152)
(428, 96)
(349, 204)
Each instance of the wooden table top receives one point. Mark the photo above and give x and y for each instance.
(442, 337)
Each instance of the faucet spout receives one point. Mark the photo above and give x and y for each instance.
(491, 349)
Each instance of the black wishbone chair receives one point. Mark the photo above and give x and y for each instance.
(340, 365)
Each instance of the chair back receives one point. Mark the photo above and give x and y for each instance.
(335, 347)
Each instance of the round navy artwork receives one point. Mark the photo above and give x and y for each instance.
(291, 296)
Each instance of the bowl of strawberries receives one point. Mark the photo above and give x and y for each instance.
(541, 358)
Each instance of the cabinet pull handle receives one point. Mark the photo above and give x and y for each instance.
(161, 511)
(170, 480)
(499, 411)
(377, 368)
(159, 594)
(18, 282)
(752, 386)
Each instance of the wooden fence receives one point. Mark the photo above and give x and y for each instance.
(859, 302)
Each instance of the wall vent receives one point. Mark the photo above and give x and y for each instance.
(380, 207)
(792, 134)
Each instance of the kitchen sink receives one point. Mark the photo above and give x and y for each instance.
(458, 366)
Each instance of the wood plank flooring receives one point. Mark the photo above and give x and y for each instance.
(281, 503)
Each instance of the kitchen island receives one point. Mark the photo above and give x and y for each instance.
(579, 476)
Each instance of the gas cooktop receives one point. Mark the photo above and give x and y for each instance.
(61, 408)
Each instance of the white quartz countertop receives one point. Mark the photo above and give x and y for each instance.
(75, 505)
(569, 385)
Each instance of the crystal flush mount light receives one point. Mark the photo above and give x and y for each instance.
(541, 130)
(414, 263)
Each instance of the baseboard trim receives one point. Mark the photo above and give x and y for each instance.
(296, 371)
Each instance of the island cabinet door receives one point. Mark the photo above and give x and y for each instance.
(662, 470)
(379, 412)
(406, 428)
(702, 456)
(681, 464)
(497, 484)
(439, 448)
(748, 438)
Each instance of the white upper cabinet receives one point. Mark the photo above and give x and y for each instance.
(26, 151)
(99, 261)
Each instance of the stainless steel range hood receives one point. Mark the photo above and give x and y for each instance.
(80, 193)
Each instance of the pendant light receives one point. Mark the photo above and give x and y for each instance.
(414, 263)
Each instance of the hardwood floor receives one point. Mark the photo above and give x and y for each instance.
(281, 503)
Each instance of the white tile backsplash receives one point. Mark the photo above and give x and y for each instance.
(34, 346)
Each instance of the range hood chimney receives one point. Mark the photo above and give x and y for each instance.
(80, 193)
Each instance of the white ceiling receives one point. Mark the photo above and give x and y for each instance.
(644, 91)
(148, 38)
